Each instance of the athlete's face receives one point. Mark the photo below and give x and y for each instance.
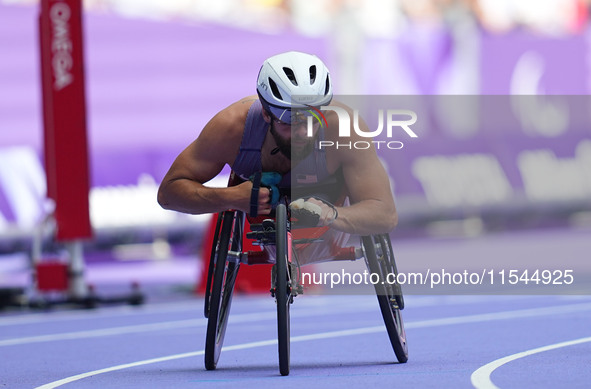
(292, 137)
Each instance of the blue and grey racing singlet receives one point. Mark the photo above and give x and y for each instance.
(248, 160)
(309, 178)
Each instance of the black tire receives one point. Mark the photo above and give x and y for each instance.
(380, 260)
(390, 267)
(212, 258)
(283, 289)
(224, 278)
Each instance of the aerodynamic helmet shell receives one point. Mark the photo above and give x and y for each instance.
(293, 80)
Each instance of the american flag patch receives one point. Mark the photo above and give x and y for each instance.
(306, 178)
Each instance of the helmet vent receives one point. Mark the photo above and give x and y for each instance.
(327, 87)
(312, 74)
(289, 73)
(275, 89)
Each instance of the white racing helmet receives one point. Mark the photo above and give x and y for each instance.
(293, 80)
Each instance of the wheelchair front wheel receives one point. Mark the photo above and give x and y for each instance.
(283, 288)
(224, 277)
(380, 260)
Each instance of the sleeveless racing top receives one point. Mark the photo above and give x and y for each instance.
(310, 177)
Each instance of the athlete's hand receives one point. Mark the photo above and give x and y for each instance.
(328, 213)
(264, 201)
(313, 212)
(265, 206)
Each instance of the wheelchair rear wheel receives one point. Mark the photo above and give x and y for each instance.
(225, 269)
(379, 257)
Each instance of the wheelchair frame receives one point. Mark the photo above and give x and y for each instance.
(227, 255)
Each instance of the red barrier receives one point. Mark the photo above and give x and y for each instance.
(64, 116)
(251, 279)
(51, 276)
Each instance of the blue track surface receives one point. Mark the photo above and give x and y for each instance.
(454, 341)
(337, 341)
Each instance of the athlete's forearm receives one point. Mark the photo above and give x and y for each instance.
(365, 218)
(187, 196)
(183, 195)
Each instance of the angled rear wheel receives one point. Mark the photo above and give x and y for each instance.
(227, 246)
(379, 258)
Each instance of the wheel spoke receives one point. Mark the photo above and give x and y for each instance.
(224, 278)
(380, 260)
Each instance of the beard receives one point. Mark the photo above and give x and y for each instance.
(284, 146)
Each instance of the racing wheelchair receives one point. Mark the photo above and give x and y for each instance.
(282, 235)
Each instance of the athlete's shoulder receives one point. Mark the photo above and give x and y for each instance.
(231, 119)
(243, 104)
(237, 111)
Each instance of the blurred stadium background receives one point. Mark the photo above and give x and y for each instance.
(156, 71)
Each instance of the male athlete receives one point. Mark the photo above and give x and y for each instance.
(269, 133)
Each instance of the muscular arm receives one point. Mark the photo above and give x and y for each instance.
(372, 209)
(182, 188)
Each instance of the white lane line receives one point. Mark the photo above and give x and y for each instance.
(103, 332)
(481, 377)
(146, 310)
(333, 334)
(250, 317)
(505, 315)
(250, 345)
(78, 377)
(58, 316)
(254, 317)
(177, 324)
(195, 306)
